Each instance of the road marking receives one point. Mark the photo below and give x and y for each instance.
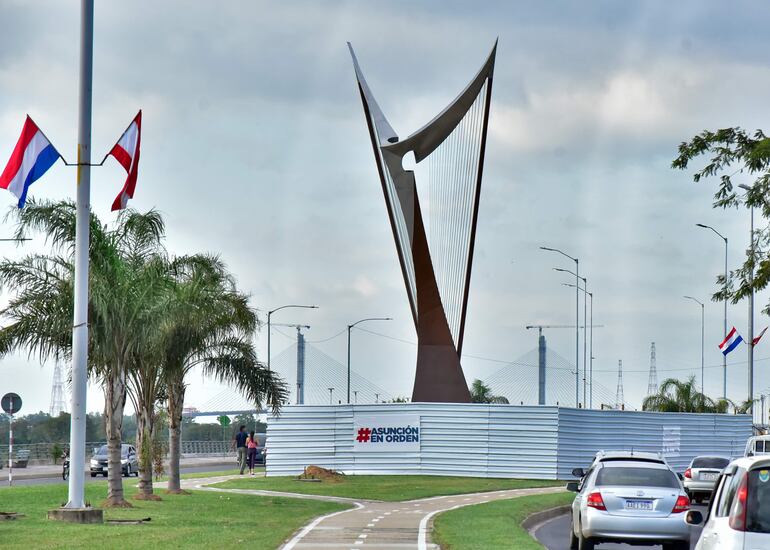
(310, 526)
(370, 524)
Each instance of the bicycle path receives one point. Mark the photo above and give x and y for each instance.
(370, 523)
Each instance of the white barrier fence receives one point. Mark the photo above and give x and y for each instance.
(485, 440)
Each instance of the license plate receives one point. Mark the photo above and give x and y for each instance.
(705, 476)
(638, 505)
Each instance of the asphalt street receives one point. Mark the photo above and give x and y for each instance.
(89, 479)
(554, 535)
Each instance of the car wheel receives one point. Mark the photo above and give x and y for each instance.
(127, 473)
(583, 542)
(93, 474)
(678, 545)
(573, 540)
(105, 474)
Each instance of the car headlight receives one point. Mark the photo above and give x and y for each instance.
(94, 462)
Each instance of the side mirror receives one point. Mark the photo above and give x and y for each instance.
(750, 453)
(680, 476)
(693, 517)
(578, 472)
(572, 486)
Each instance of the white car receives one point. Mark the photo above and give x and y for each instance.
(739, 515)
(701, 476)
(757, 445)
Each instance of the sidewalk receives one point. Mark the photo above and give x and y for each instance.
(51, 470)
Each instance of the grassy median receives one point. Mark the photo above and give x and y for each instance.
(388, 488)
(199, 520)
(493, 524)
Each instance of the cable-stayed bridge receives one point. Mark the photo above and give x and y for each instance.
(517, 381)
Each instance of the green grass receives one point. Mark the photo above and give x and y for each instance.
(389, 488)
(493, 524)
(200, 520)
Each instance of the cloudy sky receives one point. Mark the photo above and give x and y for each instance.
(255, 147)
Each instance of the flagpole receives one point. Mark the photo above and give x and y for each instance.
(76, 497)
(751, 321)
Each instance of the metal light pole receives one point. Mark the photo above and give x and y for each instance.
(724, 357)
(751, 309)
(577, 320)
(76, 489)
(591, 346)
(578, 278)
(349, 328)
(702, 330)
(269, 314)
(331, 391)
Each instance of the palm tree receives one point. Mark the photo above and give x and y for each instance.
(210, 325)
(481, 393)
(681, 396)
(41, 308)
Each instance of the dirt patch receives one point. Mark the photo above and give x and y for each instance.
(321, 474)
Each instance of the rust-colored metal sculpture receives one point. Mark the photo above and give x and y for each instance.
(435, 252)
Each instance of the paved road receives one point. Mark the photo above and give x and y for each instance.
(57, 479)
(554, 535)
(373, 524)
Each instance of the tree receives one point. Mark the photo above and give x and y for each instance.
(40, 311)
(482, 393)
(210, 325)
(734, 151)
(678, 396)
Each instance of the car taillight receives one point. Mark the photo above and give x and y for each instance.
(595, 500)
(682, 505)
(688, 473)
(738, 512)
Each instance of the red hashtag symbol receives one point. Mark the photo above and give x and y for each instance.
(363, 435)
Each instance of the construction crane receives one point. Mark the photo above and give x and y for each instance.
(300, 360)
(541, 360)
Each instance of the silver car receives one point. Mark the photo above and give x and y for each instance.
(701, 476)
(631, 502)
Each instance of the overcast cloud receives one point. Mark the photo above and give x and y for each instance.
(255, 147)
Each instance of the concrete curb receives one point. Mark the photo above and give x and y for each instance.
(534, 520)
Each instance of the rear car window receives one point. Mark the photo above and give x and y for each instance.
(710, 462)
(636, 477)
(758, 509)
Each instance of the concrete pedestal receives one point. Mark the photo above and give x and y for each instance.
(77, 515)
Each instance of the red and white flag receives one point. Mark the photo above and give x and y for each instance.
(757, 338)
(126, 152)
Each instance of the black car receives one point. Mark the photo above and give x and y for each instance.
(128, 461)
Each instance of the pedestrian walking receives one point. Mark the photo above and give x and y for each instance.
(251, 445)
(239, 443)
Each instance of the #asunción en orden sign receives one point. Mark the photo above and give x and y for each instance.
(399, 433)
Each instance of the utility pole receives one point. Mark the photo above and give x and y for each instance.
(300, 366)
(619, 399)
(652, 381)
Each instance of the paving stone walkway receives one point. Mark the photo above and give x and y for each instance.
(371, 524)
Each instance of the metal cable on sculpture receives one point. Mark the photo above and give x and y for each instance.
(433, 219)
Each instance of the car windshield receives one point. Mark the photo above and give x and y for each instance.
(710, 462)
(104, 450)
(636, 477)
(758, 509)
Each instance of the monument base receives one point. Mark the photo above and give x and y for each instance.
(77, 515)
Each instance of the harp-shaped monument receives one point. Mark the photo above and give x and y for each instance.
(434, 223)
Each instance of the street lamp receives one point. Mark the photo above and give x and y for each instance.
(751, 309)
(349, 328)
(269, 314)
(591, 350)
(331, 391)
(578, 278)
(577, 319)
(702, 325)
(724, 357)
